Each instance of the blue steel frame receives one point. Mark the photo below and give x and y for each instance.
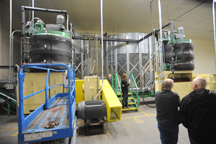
(59, 131)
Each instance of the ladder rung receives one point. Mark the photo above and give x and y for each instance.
(130, 108)
(120, 94)
(128, 98)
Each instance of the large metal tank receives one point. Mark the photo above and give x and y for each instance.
(128, 54)
(47, 48)
(50, 43)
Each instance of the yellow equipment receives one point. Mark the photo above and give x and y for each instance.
(36, 81)
(91, 87)
(113, 105)
(182, 88)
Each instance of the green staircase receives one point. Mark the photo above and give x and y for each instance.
(9, 98)
(131, 101)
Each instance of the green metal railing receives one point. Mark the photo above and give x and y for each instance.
(133, 82)
(9, 98)
(117, 83)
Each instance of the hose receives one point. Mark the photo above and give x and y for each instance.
(6, 109)
(146, 102)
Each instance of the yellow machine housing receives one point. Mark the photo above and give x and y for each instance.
(91, 86)
(182, 88)
(34, 82)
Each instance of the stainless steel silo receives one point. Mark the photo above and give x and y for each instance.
(129, 57)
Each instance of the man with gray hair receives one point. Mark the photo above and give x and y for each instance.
(167, 103)
(198, 113)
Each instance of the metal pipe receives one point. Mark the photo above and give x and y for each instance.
(161, 40)
(171, 31)
(101, 5)
(107, 68)
(33, 7)
(140, 64)
(122, 40)
(213, 13)
(97, 54)
(152, 40)
(89, 57)
(101, 10)
(12, 44)
(156, 56)
(22, 33)
(116, 59)
(72, 54)
(10, 57)
(151, 14)
(67, 21)
(45, 10)
(150, 64)
(29, 11)
(82, 50)
(111, 53)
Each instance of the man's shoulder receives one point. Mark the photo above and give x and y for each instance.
(175, 93)
(166, 92)
(185, 98)
(158, 92)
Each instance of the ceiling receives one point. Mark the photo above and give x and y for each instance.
(122, 16)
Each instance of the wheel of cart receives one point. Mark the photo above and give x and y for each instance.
(54, 121)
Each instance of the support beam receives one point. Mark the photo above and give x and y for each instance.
(106, 54)
(140, 66)
(213, 14)
(82, 50)
(116, 60)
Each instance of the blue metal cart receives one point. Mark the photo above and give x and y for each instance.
(59, 108)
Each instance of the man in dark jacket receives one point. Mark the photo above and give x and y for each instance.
(198, 113)
(167, 103)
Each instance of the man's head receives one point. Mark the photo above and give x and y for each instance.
(109, 76)
(167, 84)
(199, 83)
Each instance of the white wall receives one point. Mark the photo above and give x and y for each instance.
(204, 56)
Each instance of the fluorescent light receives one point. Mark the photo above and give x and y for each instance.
(214, 0)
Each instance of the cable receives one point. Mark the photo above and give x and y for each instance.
(6, 109)
(146, 103)
(188, 11)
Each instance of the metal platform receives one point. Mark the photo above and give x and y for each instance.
(57, 112)
(59, 109)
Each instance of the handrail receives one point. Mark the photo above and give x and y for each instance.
(133, 80)
(24, 121)
(117, 82)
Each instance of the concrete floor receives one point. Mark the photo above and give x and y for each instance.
(134, 128)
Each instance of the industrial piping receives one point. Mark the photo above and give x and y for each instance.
(213, 14)
(101, 8)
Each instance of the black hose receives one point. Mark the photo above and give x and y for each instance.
(6, 109)
(146, 102)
